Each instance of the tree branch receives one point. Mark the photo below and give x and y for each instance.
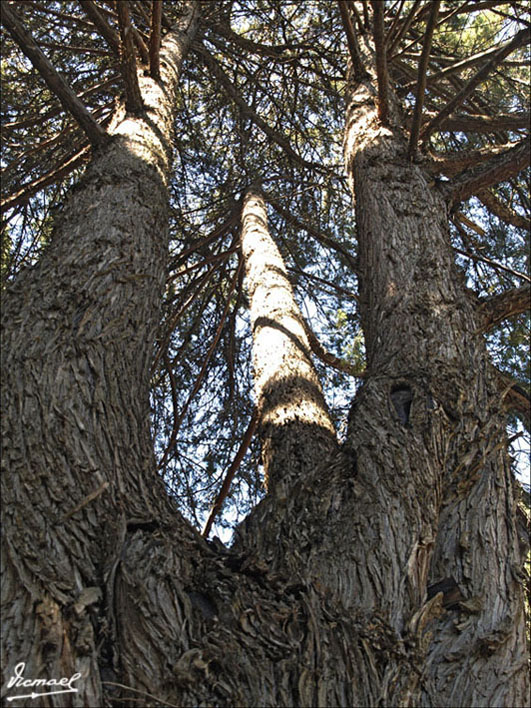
(140, 45)
(493, 171)
(312, 231)
(178, 419)
(218, 73)
(485, 124)
(100, 23)
(133, 96)
(58, 172)
(55, 82)
(459, 66)
(520, 39)
(382, 75)
(421, 80)
(514, 397)
(502, 211)
(451, 163)
(327, 357)
(490, 262)
(231, 472)
(154, 39)
(403, 28)
(273, 51)
(497, 308)
(352, 42)
(56, 109)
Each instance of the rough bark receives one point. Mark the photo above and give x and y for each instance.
(443, 461)
(78, 331)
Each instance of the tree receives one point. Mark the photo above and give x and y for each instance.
(385, 570)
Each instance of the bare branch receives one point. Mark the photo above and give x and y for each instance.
(382, 74)
(456, 67)
(356, 14)
(104, 28)
(326, 285)
(467, 6)
(55, 82)
(274, 51)
(142, 47)
(312, 231)
(483, 259)
(514, 397)
(178, 419)
(493, 171)
(493, 264)
(452, 163)
(55, 109)
(231, 472)
(520, 39)
(461, 65)
(133, 96)
(396, 21)
(154, 39)
(352, 41)
(421, 80)
(327, 357)
(462, 219)
(497, 308)
(393, 42)
(485, 124)
(218, 73)
(57, 172)
(502, 211)
(185, 301)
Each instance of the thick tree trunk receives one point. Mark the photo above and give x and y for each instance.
(78, 332)
(428, 430)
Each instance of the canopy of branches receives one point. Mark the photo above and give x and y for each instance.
(263, 99)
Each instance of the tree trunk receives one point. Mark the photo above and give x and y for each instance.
(383, 573)
(296, 428)
(78, 333)
(428, 429)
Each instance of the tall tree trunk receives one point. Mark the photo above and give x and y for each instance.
(428, 430)
(78, 333)
(296, 428)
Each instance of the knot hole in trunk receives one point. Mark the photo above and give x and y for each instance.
(401, 396)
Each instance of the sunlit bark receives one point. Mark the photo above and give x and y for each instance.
(443, 462)
(295, 424)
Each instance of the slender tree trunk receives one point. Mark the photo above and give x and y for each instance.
(296, 428)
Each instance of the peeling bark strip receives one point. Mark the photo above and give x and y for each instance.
(296, 428)
(78, 333)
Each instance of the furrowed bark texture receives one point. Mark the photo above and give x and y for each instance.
(78, 331)
(296, 428)
(427, 431)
